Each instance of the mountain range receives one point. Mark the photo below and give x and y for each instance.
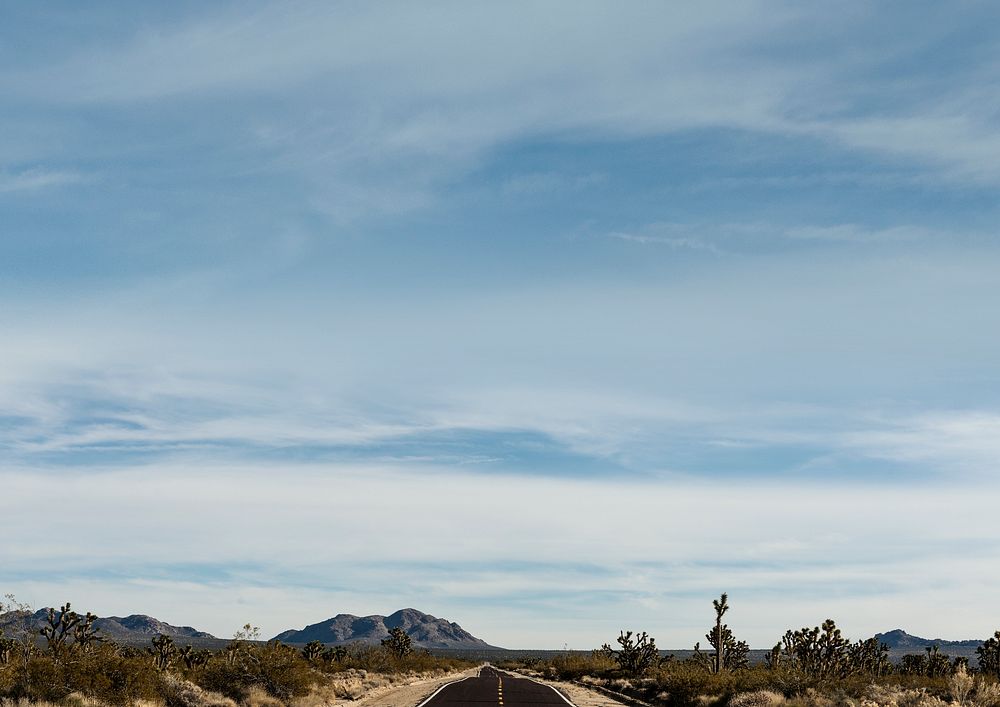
(901, 640)
(137, 628)
(424, 630)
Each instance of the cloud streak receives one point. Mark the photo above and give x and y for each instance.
(410, 544)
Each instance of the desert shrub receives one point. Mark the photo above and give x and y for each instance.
(682, 684)
(277, 669)
(256, 697)
(380, 659)
(757, 698)
(177, 692)
(110, 677)
(41, 678)
(960, 684)
(987, 693)
(371, 658)
(101, 673)
(573, 666)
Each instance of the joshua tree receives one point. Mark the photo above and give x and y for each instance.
(635, 656)
(989, 656)
(398, 642)
(938, 663)
(818, 651)
(312, 650)
(65, 624)
(869, 657)
(192, 657)
(774, 658)
(730, 654)
(163, 651)
(914, 664)
(335, 654)
(717, 638)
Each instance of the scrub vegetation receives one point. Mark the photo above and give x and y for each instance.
(67, 662)
(808, 667)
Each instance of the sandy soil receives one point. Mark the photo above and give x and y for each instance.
(413, 694)
(409, 695)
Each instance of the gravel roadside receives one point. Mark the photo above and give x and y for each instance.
(409, 695)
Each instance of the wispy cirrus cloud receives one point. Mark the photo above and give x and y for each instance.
(732, 239)
(38, 178)
(433, 98)
(576, 565)
(443, 291)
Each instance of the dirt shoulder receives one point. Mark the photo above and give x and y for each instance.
(410, 694)
(578, 695)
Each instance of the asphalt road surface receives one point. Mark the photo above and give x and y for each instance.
(495, 689)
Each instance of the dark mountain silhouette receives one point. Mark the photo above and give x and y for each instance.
(900, 639)
(424, 630)
(136, 628)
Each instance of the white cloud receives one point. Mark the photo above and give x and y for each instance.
(797, 353)
(954, 440)
(479, 549)
(445, 79)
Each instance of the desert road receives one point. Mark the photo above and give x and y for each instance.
(495, 689)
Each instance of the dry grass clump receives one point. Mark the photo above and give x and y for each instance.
(987, 694)
(894, 696)
(320, 696)
(757, 698)
(352, 683)
(183, 693)
(74, 699)
(960, 685)
(258, 697)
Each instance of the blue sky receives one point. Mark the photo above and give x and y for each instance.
(551, 320)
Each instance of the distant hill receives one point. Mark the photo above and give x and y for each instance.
(899, 639)
(424, 630)
(136, 628)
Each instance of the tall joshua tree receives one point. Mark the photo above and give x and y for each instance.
(730, 654)
(717, 638)
(163, 651)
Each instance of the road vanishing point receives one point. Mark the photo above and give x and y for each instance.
(492, 688)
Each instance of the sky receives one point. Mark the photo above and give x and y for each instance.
(552, 319)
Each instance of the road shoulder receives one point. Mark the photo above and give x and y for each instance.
(576, 694)
(411, 694)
